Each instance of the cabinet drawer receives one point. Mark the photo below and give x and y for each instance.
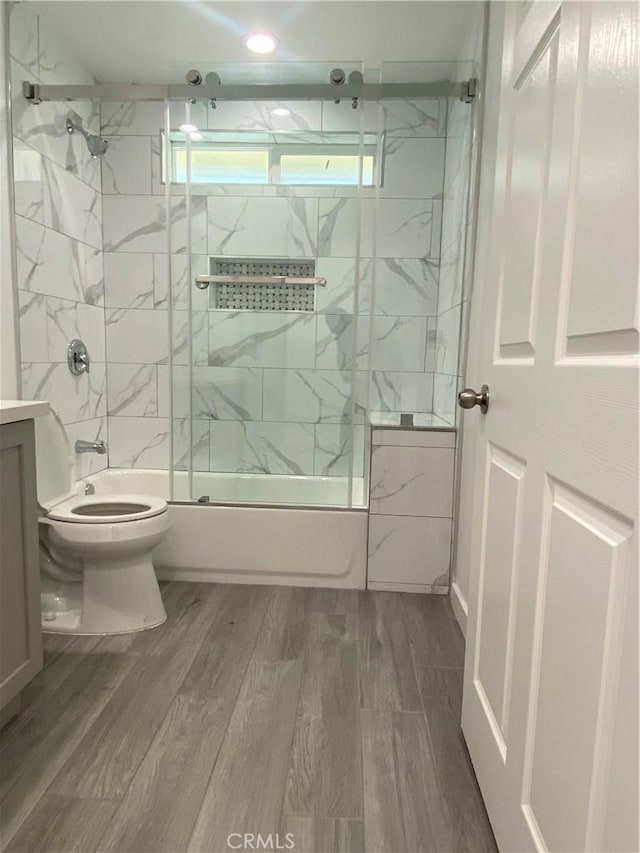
(412, 481)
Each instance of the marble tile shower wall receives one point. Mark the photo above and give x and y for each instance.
(58, 221)
(453, 290)
(271, 391)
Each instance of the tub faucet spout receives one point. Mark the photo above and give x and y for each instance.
(90, 446)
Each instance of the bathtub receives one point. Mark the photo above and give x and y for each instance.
(227, 541)
(261, 489)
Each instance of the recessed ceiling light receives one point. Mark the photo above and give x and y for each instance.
(280, 111)
(188, 128)
(260, 42)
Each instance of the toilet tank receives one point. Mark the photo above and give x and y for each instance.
(55, 464)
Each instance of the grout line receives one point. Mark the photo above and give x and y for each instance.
(96, 250)
(53, 162)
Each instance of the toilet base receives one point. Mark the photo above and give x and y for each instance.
(119, 597)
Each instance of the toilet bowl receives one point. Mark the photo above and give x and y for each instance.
(96, 572)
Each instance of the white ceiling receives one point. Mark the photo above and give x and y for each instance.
(147, 41)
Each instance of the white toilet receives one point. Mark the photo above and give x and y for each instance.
(95, 551)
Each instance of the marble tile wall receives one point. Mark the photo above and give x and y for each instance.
(58, 205)
(271, 392)
(453, 290)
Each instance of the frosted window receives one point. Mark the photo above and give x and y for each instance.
(249, 157)
(221, 166)
(334, 169)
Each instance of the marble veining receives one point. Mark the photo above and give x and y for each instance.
(280, 227)
(67, 320)
(265, 448)
(334, 446)
(422, 117)
(383, 491)
(400, 391)
(190, 448)
(410, 550)
(132, 390)
(75, 398)
(411, 481)
(402, 179)
(407, 287)
(56, 265)
(248, 339)
(338, 296)
(132, 118)
(138, 442)
(138, 224)
(136, 336)
(309, 396)
(229, 393)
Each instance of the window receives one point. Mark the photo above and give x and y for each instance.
(310, 158)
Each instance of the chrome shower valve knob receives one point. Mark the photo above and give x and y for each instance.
(78, 357)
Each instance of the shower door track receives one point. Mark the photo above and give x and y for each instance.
(213, 90)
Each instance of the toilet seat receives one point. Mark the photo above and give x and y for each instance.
(106, 509)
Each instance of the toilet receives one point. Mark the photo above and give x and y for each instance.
(95, 550)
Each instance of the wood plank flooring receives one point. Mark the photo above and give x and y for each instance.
(328, 720)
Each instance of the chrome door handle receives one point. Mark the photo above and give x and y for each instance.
(468, 398)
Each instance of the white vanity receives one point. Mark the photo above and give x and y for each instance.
(20, 633)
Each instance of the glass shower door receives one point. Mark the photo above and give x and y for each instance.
(276, 355)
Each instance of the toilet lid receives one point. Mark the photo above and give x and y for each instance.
(55, 465)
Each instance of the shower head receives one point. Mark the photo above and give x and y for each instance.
(97, 145)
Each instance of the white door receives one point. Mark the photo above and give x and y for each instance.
(550, 710)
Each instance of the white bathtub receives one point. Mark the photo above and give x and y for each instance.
(321, 545)
(263, 489)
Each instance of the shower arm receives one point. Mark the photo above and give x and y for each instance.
(72, 127)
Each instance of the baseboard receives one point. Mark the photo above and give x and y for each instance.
(173, 573)
(460, 607)
(431, 589)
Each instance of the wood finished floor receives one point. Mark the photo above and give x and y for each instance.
(332, 715)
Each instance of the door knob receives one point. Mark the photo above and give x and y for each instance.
(468, 398)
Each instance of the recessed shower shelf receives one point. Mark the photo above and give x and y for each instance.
(271, 284)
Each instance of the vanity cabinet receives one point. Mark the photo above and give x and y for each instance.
(20, 631)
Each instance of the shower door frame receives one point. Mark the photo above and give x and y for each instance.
(212, 90)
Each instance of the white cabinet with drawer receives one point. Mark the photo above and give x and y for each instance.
(411, 508)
